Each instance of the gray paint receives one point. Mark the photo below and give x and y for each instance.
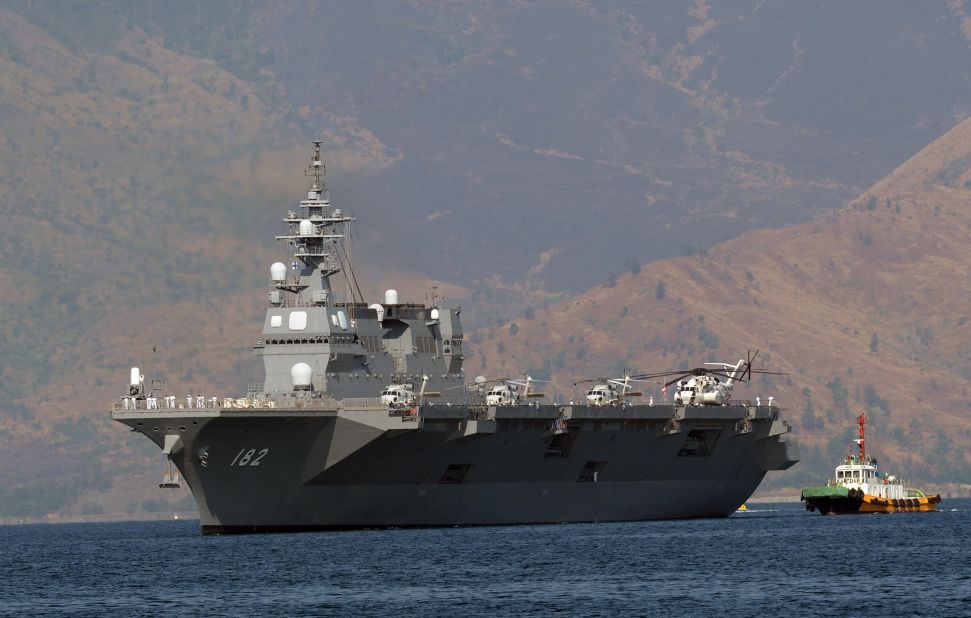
(334, 457)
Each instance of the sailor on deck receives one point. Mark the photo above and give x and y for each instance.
(188, 401)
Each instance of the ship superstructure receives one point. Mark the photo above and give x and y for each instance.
(314, 344)
(364, 419)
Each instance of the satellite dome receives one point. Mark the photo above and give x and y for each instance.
(301, 375)
(379, 310)
(435, 314)
(306, 228)
(278, 271)
(391, 297)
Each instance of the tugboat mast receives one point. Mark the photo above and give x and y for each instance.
(861, 441)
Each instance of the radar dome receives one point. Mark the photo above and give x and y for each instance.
(306, 228)
(301, 375)
(391, 297)
(135, 376)
(379, 309)
(480, 379)
(278, 271)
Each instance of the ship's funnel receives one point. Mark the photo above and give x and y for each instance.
(301, 375)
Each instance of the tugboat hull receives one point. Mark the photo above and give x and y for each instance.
(842, 501)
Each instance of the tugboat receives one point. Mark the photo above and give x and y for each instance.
(860, 487)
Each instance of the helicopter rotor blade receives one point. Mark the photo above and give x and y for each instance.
(748, 364)
(662, 374)
(670, 382)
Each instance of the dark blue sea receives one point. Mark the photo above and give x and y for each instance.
(774, 560)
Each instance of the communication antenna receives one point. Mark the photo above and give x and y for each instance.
(156, 383)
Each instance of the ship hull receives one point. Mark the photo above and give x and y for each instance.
(491, 504)
(860, 505)
(291, 470)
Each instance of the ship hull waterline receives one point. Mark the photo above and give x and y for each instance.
(871, 504)
(309, 470)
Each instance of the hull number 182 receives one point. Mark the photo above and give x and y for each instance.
(248, 457)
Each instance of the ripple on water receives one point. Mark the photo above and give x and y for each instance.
(771, 560)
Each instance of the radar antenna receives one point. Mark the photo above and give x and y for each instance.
(318, 170)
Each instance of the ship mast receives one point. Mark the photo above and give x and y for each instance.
(317, 168)
(316, 232)
(861, 441)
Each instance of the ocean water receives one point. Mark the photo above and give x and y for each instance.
(774, 560)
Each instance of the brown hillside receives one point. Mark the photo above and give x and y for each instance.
(871, 299)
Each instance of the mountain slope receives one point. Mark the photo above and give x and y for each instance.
(647, 130)
(866, 309)
(128, 206)
(521, 151)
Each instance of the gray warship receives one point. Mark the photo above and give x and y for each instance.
(365, 419)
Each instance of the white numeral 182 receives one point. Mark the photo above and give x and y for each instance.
(246, 457)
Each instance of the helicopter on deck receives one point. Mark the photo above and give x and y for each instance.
(710, 385)
(609, 391)
(402, 394)
(505, 391)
